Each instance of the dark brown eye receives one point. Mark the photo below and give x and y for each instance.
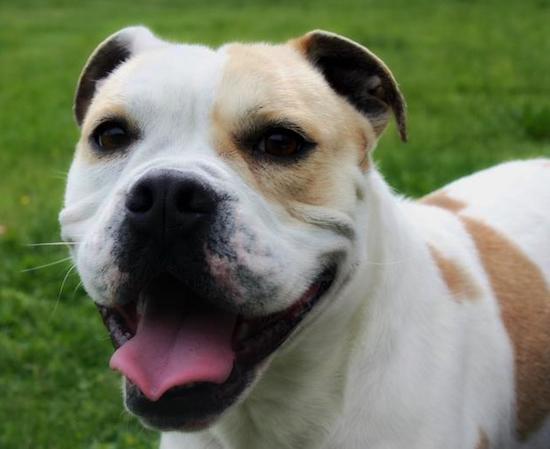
(112, 136)
(281, 142)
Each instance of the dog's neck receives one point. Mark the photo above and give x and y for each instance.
(304, 391)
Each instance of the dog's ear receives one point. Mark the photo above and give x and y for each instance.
(111, 53)
(357, 74)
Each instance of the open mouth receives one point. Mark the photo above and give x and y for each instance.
(186, 360)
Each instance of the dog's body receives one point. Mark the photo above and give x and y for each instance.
(436, 354)
(435, 330)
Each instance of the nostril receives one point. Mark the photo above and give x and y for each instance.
(194, 198)
(141, 198)
(202, 202)
(183, 200)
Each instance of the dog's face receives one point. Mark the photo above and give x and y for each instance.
(212, 204)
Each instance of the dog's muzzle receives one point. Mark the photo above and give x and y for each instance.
(184, 342)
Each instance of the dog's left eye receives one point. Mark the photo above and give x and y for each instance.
(281, 142)
(112, 136)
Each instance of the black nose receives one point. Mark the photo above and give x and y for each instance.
(166, 204)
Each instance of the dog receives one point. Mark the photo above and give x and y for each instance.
(263, 285)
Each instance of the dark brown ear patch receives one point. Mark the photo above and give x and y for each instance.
(359, 76)
(102, 62)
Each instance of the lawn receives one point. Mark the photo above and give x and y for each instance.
(475, 75)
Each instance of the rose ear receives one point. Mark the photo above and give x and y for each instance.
(110, 54)
(358, 75)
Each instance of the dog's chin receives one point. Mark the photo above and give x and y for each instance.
(194, 397)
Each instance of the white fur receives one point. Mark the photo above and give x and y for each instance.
(390, 360)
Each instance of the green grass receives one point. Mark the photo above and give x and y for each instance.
(476, 79)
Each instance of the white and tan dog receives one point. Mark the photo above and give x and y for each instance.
(265, 288)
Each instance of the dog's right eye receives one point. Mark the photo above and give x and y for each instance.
(112, 136)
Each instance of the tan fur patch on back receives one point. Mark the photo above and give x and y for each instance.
(441, 199)
(460, 283)
(483, 442)
(524, 299)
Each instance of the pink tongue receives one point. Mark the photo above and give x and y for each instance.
(174, 348)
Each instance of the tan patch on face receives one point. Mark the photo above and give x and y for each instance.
(483, 442)
(459, 282)
(441, 199)
(265, 84)
(524, 299)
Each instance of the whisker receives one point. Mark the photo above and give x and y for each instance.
(53, 244)
(59, 174)
(65, 259)
(73, 266)
(76, 289)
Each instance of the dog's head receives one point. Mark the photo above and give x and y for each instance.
(212, 204)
